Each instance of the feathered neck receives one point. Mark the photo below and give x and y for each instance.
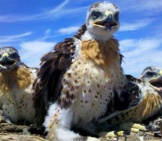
(104, 54)
(19, 77)
(84, 34)
(91, 36)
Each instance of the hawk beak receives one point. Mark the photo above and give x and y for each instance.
(156, 83)
(108, 22)
(160, 72)
(6, 62)
(5, 57)
(109, 16)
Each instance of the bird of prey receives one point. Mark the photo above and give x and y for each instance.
(80, 76)
(149, 106)
(16, 80)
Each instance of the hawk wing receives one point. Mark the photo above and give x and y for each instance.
(130, 97)
(48, 85)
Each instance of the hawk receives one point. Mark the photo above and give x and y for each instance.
(80, 76)
(149, 106)
(16, 80)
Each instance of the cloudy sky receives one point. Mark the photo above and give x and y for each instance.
(35, 26)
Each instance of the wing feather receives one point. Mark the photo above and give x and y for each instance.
(48, 85)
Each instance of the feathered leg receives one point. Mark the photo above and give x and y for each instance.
(58, 125)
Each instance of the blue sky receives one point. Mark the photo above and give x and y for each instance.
(35, 26)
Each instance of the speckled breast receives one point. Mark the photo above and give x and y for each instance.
(151, 103)
(92, 89)
(88, 84)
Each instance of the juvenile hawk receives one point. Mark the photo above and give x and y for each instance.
(80, 76)
(150, 105)
(16, 81)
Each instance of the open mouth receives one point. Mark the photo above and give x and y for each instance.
(7, 64)
(156, 83)
(105, 24)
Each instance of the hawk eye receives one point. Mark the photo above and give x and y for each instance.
(13, 55)
(150, 74)
(116, 16)
(95, 15)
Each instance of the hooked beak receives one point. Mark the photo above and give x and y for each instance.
(108, 22)
(156, 83)
(6, 63)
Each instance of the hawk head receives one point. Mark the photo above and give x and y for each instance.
(153, 76)
(103, 19)
(9, 58)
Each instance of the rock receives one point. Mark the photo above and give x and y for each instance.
(16, 137)
(12, 132)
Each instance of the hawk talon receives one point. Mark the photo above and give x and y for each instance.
(132, 127)
(112, 134)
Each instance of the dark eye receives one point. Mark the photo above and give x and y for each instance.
(95, 15)
(13, 55)
(116, 16)
(150, 74)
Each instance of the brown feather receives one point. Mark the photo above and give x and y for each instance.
(20, 76)
(48, 84)
(101, 54)
(81, 31)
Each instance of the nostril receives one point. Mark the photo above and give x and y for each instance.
(5, 59)
(109, 18)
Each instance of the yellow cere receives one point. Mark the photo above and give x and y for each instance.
(5, 54)
(160, 72)
(108, 13)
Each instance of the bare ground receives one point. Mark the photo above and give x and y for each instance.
(11, 132)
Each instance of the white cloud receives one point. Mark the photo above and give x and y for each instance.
(48, 31)
(32, 51)
(56, 12)
(127, 44)
(148, 6)
(47, 34)
(68, 30)
(13, 38)
(154, 5)
(134, 25)
(17, 18)
(140, 54)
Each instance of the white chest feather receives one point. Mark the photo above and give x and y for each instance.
(18, 104)
(95, 89)
(16, 95)
(92, 87)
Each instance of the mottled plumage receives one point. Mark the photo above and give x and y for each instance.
(81, 76)
(150, 85)
(16, 80)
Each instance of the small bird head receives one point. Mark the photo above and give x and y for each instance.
(153, 76)
(9, 58)
(103, 19)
